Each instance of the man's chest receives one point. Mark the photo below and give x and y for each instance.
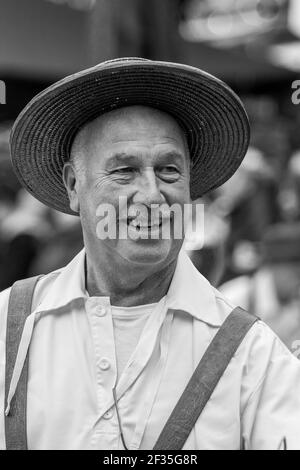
(73, 372)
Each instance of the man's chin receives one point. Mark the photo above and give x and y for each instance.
(145, 253)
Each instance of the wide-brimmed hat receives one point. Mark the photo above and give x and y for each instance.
(210, 113)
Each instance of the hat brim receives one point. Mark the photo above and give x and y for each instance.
(210, 113)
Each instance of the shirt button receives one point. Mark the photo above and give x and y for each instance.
(104, 363)
(109, 414)
(101, 311)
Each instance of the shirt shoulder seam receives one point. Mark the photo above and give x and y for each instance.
(225, 301)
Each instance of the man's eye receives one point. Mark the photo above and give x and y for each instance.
(169, 169)
(124, 170)
(169, 173)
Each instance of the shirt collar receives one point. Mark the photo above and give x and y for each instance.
(189, 290)
(68, 285)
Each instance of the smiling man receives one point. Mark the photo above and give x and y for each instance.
(139, 155)
(128, 346)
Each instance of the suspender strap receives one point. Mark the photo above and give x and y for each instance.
(204, 380)
(187, 410)
(19, 307)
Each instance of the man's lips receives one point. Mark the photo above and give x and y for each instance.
(144, 224)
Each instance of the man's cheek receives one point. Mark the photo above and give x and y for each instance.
(106, 221)
(178, 192)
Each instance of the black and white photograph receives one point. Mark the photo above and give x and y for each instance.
(149, 227)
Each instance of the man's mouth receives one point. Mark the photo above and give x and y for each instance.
(143, 225)
(148, 223)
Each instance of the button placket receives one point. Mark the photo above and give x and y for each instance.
(104, 363)
(99, 311)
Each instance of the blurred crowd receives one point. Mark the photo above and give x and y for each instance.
(251, 248)
(255, 257)
(33, 238)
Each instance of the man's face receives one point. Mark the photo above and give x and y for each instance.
(138, 155)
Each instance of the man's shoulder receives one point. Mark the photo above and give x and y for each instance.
(261, 339)
(42, 286)
(238, 289)
(225, 306)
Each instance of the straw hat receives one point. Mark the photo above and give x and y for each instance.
(211, 115)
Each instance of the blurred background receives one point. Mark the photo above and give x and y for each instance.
(252, 223)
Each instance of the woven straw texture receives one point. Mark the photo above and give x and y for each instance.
(210, 113)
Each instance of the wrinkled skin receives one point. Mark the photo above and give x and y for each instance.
(140, 153)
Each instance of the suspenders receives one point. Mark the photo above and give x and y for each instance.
(19, 307)
(188, 408)
(204, 380)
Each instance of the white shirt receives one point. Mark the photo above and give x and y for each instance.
(128, 323)
(72, 370)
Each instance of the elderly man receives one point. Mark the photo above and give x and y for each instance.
(109, 351)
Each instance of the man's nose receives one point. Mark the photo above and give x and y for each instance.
(149, 189)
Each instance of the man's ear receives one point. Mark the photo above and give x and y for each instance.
(71, 183)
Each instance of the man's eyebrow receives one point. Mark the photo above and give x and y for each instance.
(173, 156)
(123, 158)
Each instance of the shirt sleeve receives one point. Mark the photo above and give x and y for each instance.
(272, 410)
(4, 297)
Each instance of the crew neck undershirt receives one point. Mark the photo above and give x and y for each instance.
(128, 325)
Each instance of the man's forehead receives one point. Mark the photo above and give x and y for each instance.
(139, 120)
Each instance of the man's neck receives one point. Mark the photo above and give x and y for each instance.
(126, 285)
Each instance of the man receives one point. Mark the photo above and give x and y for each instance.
(116, 335)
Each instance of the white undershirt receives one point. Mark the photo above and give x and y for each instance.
(128, 325)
